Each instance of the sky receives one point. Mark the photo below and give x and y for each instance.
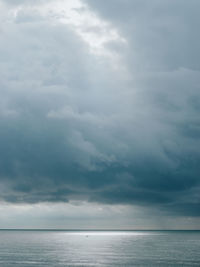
(99, 114)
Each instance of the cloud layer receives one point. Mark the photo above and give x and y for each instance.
(114, 121)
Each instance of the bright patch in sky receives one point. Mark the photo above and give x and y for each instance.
(95, 31)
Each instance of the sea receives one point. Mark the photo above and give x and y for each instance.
(27, 248)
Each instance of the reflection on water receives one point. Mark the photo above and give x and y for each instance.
(99, 248)
(104, 233)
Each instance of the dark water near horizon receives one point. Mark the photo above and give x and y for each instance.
(99, 248)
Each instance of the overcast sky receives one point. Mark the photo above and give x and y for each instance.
(100, 114)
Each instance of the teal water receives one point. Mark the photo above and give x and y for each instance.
(98, 248)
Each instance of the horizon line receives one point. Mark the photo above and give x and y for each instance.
(94, 230)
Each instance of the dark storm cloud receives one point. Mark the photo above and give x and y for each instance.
(71, 127)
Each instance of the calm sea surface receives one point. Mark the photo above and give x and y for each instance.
(63, 248)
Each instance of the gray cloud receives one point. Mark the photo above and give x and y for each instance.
(162, 35)
(75, 128)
